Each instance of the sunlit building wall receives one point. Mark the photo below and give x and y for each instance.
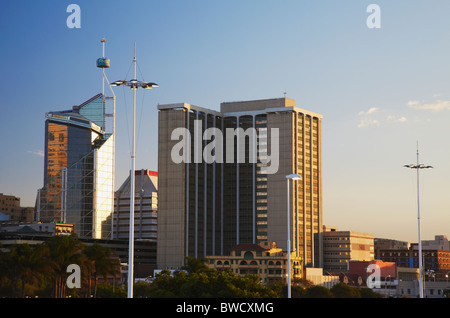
(145, 207)
(214, 206)
(78, 170)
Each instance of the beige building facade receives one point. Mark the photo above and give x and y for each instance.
(145, 207)
(207, 207)
(341, 247)
(265, 260)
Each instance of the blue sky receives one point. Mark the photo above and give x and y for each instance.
(379, 90)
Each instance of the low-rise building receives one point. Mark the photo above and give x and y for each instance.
(11, 210)
(436, 263)
(265, 260)
(440, 242)
(52, 228)
(340, 247)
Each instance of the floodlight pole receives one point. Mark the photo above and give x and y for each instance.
(288, 241)
(133, 84)
(132, 189)
(418, 167)
(418, 229)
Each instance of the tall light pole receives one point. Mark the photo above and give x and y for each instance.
(288, 243)
(419, 166)
(134, 84)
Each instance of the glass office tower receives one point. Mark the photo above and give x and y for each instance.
(78, 170)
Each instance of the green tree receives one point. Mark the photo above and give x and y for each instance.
(369, 293)
(24, 265)
(195, 265)
(318, 292)
(201, 282)
(341, 290)
(63, 251)
(110, 291)
(99, 262)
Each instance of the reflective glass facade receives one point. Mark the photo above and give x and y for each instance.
(78, 172)
(204, 188)
(104, 189)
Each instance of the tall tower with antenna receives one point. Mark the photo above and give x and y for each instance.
(104, 63)
(79, 166)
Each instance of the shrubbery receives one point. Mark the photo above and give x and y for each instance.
(40, 271)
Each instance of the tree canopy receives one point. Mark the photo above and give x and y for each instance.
(41, 270)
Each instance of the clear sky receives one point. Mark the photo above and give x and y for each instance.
(379, 90)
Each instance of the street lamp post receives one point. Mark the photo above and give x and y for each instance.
(134, 84)
(288, 243)
(418, 167)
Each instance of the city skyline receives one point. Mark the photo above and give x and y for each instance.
(379, 90)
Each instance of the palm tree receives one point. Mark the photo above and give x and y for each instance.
(100, 263)
(63, 251)
(24, 265)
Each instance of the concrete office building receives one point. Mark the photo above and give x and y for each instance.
(440, 242)
(341, 247)
(145, 207)
(240, 197)
(12, 211)
(78, 170)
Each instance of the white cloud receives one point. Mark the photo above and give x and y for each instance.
(369, 112)
(435, 106)
(392, 118)
(39, 153)
(366, 122)
(367, 118)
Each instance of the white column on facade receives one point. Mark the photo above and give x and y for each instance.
(205, 193)
(237, 179)
(311, 178)
(255, 158)
(188, 160)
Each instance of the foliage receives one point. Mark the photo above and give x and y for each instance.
(110, 291)
(198, 281)
(41, 270)
(318, 292)
(369, 293)
(344, 291)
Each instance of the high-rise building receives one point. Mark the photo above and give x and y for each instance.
(78, 170)
(222, 179)
(145, 207)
